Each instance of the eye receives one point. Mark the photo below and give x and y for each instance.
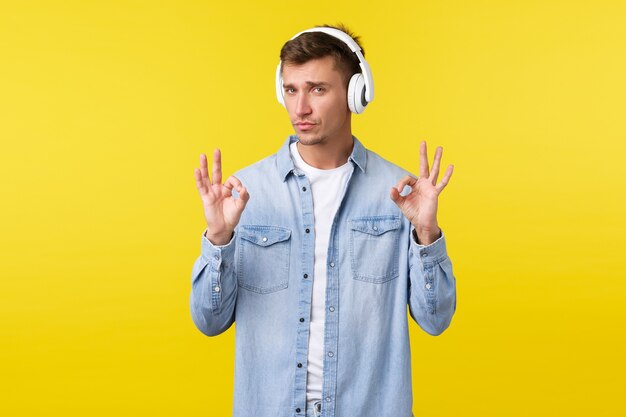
(319, 89)
(289, 89)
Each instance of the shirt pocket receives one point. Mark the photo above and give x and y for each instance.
(374, 248)
(263, 265)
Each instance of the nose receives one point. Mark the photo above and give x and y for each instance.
(302, 106)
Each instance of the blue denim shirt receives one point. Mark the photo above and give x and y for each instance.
(262, 280)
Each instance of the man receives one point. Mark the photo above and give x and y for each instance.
(315, 253)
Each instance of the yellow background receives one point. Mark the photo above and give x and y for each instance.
(105, 107)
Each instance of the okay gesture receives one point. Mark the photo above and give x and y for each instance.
(420, 205)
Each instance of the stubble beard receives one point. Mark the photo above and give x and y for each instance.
(310, 140)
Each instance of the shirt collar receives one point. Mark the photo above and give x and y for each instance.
(285, 164)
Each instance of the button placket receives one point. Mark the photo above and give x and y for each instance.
(306, 199)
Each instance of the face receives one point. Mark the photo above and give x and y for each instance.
(316, 100)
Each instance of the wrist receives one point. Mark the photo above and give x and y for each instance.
(426, 235)
(219, 239)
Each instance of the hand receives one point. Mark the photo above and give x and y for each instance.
(420, 205)
(221, 210)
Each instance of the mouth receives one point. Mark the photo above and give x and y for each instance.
(304, 126)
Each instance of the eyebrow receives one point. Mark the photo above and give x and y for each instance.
(309, 83)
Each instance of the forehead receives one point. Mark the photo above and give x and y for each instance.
(315, 70)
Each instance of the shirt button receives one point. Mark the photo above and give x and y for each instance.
(303, 188)
(375, 227)
(216, 289)
(307, 230)
(428, 286)
(217, 257)
(297, 410)
(424, 254)
(306, 275)
(299, 365)
(327, 399)
(331, 354)
(264, 239)
(331, 308)
(301, 319)
(332, 264)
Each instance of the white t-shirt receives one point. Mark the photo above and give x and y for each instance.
(327, 186)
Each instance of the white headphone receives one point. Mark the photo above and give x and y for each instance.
(361, 85)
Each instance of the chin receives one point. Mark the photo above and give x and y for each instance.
(307, 139)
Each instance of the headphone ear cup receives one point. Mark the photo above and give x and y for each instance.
(281, 98)
(356, 94)
(279, 86)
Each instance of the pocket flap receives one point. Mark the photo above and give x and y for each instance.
(264, 235)
(375, 226)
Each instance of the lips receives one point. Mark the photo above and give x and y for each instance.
(305, 126)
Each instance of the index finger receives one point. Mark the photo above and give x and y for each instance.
(233, 182)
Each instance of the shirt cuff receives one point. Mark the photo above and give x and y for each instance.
(217, 252)
(435, 250)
